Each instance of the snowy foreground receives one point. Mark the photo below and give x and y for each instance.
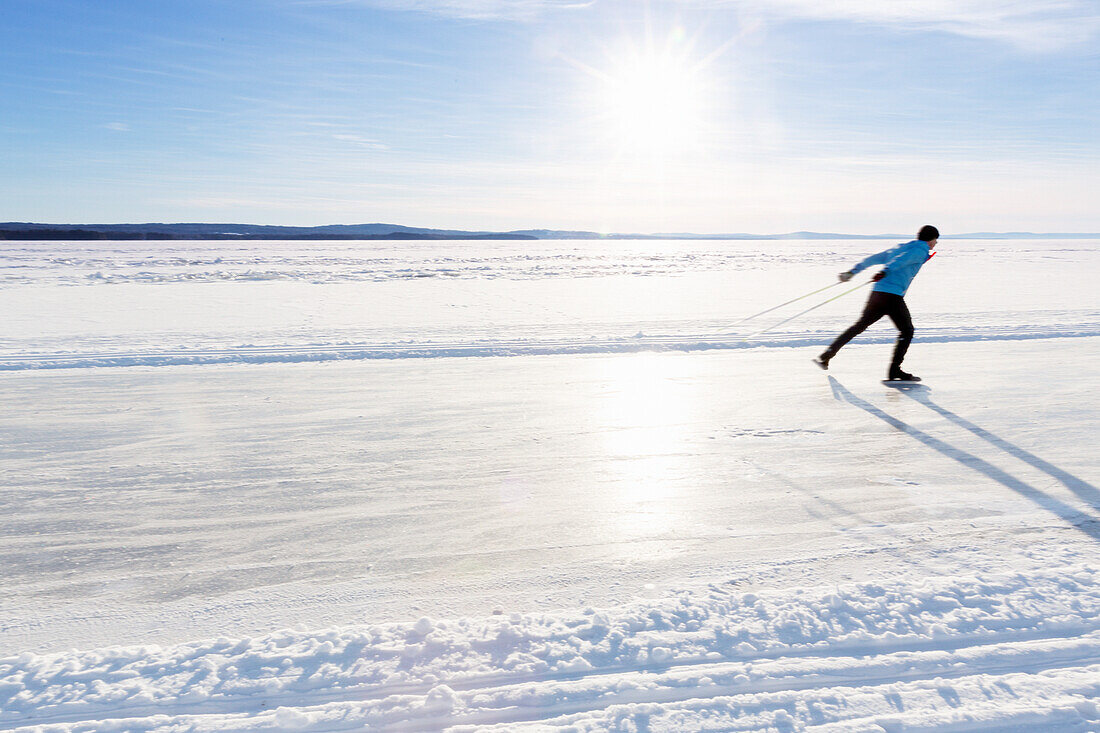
(387, 486)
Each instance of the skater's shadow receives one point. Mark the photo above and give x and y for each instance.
(1084, 522)
(1078, 486)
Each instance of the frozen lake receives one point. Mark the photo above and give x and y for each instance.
(207, 439)
(146, 303)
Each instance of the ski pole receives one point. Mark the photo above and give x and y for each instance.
(796, 315)
(775, 308)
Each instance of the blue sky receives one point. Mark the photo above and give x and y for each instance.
(683, 115)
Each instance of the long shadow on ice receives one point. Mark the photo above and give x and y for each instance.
(1082, 521)
(1078, 486)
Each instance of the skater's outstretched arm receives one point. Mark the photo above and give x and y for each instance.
(878, 258)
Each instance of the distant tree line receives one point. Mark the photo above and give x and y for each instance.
(92, 234)
(51, 234)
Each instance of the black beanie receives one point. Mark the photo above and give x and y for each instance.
(928, 233)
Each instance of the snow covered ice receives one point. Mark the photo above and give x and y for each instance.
(542, 486)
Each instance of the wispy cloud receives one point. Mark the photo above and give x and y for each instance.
(1036, 25)
(360, 141)
(481, 9)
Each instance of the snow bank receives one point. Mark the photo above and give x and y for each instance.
(950, 653)
(640, 343)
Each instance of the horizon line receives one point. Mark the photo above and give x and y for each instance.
(377, 231)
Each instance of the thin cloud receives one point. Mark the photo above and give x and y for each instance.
(1033, 25)
(361, 141)
(482, 9)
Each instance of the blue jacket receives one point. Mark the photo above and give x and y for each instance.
(902, 264)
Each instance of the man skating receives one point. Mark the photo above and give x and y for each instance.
(888, 297)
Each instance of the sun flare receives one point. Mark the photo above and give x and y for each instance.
(653, 100)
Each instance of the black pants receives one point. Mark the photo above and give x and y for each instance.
(879, 305)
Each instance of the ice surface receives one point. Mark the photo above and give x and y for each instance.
(612, 512)
(687, 297)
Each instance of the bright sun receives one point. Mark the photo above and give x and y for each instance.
(653, 100)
